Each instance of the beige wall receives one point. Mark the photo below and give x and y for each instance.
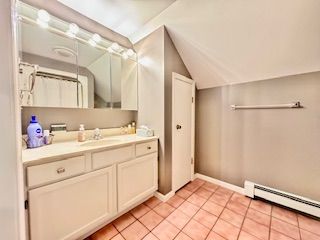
(69, 15)
(73, 117)
(158, 58)
(173, 63)
(150, 52)
(8, 146)
(274, 147)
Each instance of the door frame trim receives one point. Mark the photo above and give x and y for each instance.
(176, 76)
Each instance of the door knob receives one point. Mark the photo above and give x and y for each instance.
(178, 126)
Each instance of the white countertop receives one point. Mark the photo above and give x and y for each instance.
(30, 156)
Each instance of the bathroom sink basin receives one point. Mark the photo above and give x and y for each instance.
(100, 142)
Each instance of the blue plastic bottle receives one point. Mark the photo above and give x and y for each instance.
(34, 131)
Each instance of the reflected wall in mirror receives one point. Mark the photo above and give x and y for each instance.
(61, 65)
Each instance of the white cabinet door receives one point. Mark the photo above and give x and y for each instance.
(137, 179)
(67, 209)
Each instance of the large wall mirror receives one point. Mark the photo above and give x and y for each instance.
(63, 66)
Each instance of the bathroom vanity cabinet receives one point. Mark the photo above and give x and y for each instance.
(71, 196)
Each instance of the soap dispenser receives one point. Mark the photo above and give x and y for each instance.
(81, 134)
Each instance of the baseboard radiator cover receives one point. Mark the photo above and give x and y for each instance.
(293, 201)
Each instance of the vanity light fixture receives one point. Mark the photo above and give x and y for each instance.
(92, 42)
(115, 46)
(125, 56)
(96, 37)
(73, 30)
(110, 50)
(130, 52)
(43, 18)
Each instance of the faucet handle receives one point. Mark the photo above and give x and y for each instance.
(97, 134)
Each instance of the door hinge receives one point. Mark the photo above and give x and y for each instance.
(192, 99)
(26, 204)
(192, 160)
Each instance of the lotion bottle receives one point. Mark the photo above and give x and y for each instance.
(34, 131)
(133, 131)
(81, 134)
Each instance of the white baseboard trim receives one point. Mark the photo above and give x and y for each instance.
(162, 197)
(221, 183)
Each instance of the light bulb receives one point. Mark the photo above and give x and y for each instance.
(96, 37)
(130, 52)
(125, 55)
(115, 46)
(92, 42)
(70, 34)
(73, 28)
(42, 23)
(43, 15)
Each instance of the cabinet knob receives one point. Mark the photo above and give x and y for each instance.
(61, 170)
(178, 126)
(148, 147)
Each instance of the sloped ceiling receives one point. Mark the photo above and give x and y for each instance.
(122, 16)
(226, 42)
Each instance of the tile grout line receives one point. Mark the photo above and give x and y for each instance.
(270, 222)
(244, 218)
(196, 212)
(224, 207)
(212, 193)
(299, 226)
(136, 219)
(185, 200)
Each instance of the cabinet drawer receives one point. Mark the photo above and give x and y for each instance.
(145, 148)
(106, 158)
(49, 172)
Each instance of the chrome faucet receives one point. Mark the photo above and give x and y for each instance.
(97, 134)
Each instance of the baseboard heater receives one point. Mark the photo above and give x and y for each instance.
(299, 203)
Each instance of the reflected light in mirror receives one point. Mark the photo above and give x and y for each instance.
(73, 30)
(43, 18)
(146, 61)
(110, 50)
(130, 52)
(42, 23)
(43, 15)
(115, 46)
(96, 37)
(92, 42)
(125, 56)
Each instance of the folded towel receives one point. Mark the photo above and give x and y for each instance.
(145, 132)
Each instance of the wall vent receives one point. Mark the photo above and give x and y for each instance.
(283, 198)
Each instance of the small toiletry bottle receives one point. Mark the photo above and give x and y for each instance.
(46, 136)
(81, 134)
(133, 130)
(34, 131)
(129, 129)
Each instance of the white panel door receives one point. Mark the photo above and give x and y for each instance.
(137, 179)
(65, 210)
(182, 130)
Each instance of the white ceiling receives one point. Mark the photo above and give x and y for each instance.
(227, 42)
(223, 42)
(122, 16)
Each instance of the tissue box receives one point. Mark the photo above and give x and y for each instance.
(144, 132)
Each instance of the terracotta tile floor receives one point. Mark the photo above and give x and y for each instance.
(202, 210)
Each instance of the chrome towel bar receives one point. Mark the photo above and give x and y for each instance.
(275, 106)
